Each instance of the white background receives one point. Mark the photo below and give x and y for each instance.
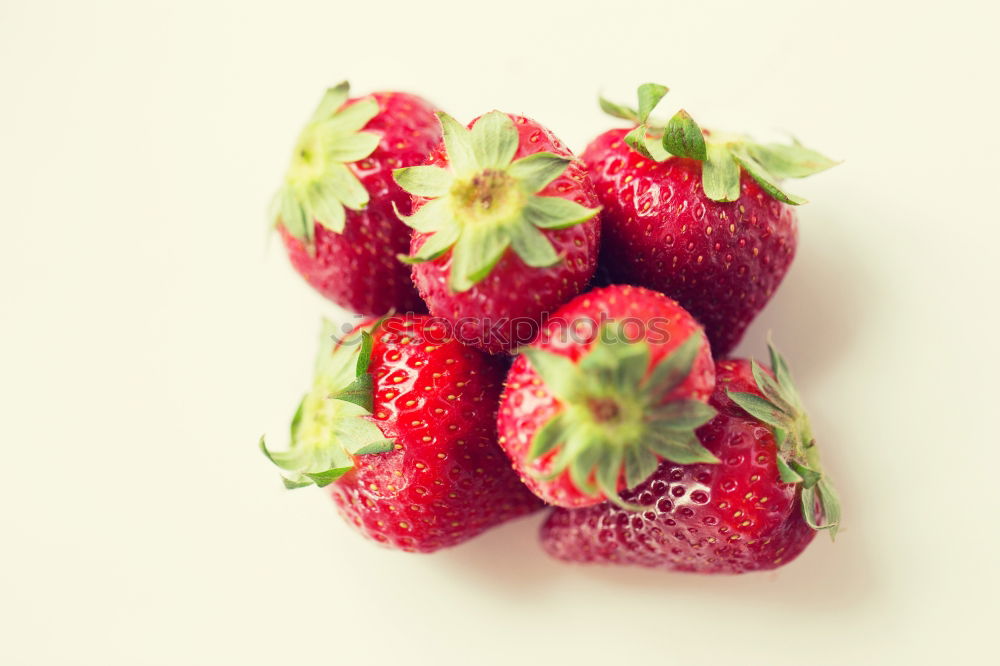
(151, 332)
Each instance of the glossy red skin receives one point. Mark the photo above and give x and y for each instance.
(431, 493)
(733, 517)
(359, 269)
(721, 261)
(527, 404)
(515, 295)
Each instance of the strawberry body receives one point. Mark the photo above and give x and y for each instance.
(720, 260)
(445, 480)
(504, 309)
(529, 401)
(732, 517)
(357, 268)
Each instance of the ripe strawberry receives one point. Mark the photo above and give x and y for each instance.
(401, 425)
(616, 381)
(335, 211)
(756, 510)
(506, 228)
(698, 215)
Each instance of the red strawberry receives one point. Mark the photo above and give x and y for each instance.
(506, 228)
(335, 211)
(616, 381)
(401, 425)
(758, 509)
(697, 215)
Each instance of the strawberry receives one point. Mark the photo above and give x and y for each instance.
(756, 510)
(400, 425)
(505, 228)
(617, 380)
(335, 211)
(698, 215)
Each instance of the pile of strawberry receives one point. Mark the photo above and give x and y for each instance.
(619, 281)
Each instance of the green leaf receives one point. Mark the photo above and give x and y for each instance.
(435, 215)
(560, 374)
(296, 420)
(786, 473)
(352, 118)
(781, 372)
(587, 452)
(332, 100)
(333, 421)
(536, 171)
(359, 392)
(808, 501)
(318, 184)
(681, 448)
(354, 428)
(383, 446)
(631, 361)
(675, 367)
(760, 408)
(353, 147)
(424, 181)
(767, 182)
(365, 353)
(324, 207)
(346, 186)
(532, 246)
(650, 95)
(325, 478)
(769, 387)
(639, 465)
(682, 415)
(548, 437)
(556, 212)
(474, 255)
(262, 445)
(810, 477)
(436, 245)
(335, 358)
(614, 361)
(293, 217)
(617, 110)
(789, 161)
(636, 140)
(458, 144)
(608, 473)
(830, 503)
(720, 174)
(781, 439)
(494, 140)
(683, 137)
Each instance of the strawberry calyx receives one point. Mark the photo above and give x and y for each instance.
(798, 455)
(319, 185)
(333, 422)
(485, 201)
(615, 421)
(722, 154)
